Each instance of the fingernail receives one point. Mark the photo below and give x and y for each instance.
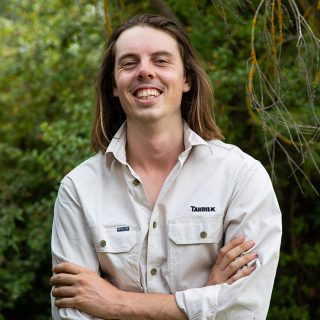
(250, 243)
(241, 238)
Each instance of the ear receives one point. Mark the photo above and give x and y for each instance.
(187, 85)
(115, 92)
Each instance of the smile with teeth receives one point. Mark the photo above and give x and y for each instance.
(146, 94)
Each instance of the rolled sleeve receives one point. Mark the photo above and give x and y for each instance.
(254, 213)
(71, 242)
(199, 303)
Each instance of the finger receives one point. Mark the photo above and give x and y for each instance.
(234, 253)
(239, 263)
(62, 279)
(229, 246)
(63, 292)
(68, 267)
(241, 274)
(65, 303)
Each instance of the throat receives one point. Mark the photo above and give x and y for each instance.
(152, 181)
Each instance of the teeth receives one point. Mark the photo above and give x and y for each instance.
(146, 93)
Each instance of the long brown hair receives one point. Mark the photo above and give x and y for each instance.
(197, 105)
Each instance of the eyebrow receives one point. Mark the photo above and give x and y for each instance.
(157, 53)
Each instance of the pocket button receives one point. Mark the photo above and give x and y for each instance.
(153, 271)
(203, 234)
(103, 243)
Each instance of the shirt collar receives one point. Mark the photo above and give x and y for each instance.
(117, 146)
(191, 139)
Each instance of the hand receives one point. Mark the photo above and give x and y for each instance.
(231, 264)
(82, 289)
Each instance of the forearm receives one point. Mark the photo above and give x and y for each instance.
(143, 306)
(83, 290)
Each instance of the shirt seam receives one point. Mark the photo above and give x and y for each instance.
(73, 190)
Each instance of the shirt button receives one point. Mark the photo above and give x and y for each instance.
(154, 224)
(203, 234)
(136, 182)
(103, 243)
(154, 271)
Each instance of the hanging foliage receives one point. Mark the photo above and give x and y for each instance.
(283, 84)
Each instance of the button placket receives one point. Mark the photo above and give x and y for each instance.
(153, 253)
(135, 187)
(136, 182)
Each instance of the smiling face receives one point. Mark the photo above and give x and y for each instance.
(149, 75)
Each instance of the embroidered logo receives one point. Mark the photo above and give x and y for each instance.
(121, 229)
(203, 209)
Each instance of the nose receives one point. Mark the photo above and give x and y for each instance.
(145, 71)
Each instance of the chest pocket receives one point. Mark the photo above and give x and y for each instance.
(194, 243)
(117, 252)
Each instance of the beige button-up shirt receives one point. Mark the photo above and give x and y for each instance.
(215, 192)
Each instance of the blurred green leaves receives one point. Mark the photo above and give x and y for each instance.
(50, 55)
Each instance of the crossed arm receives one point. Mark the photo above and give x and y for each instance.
(80, 288)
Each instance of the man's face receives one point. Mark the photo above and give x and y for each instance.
(149, 75)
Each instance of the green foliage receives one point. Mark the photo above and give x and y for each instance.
(47, 97)
(50, 54)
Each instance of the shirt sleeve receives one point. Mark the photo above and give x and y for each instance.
(71, 242)
(254, 213)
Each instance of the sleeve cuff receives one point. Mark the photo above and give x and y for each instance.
(199, 303)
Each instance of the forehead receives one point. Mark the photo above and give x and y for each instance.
(144, 39)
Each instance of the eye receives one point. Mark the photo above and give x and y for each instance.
(128, 64)
(161, 61)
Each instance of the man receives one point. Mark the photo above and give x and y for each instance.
(157, 224)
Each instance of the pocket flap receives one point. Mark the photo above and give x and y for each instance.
(195, 230)
(115, 239)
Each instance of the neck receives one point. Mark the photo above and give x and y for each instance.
(154, 147)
